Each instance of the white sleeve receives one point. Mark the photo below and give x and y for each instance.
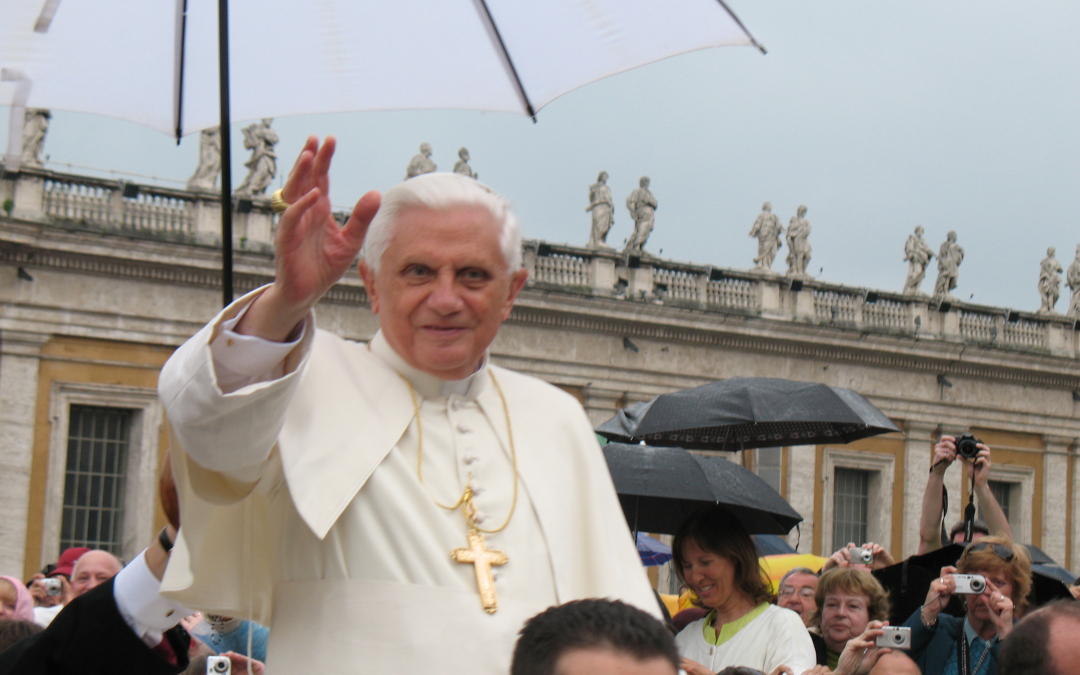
(145, 611)
(240, 360)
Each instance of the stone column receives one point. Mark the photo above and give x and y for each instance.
(19, 361)
(602, 274)
(802, 479)
(918, 451)
(1074, 535)
(641, 280)
(28, 195)
(1055, 494)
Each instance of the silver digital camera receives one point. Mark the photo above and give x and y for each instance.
(218, 665)
(969, 584)
(895, 637)
(52, 586)
(862, 555)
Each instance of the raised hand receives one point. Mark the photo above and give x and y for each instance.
(312, 252)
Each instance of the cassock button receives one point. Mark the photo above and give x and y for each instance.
(470, 459)
(462, 428)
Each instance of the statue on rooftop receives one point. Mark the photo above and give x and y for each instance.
(769, 233)
(421, 163)
(462, 165)
(917, 253)
(798, 237)
(35, 127)
(1049, 281)
(602, 207)
(950, 255)
(262, 167)
(642, 205)
(205, 176)
(1072, 280)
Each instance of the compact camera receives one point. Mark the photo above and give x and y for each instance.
(52, 586)
(970, 584)
(895, 637)
(862, 555)
(218, 665)
(967, 446)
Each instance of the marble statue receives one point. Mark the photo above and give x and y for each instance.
(950, 255)
(1049, 281)
(798, 238)
(602, 207)
(35, 126)
(462, 165)
(917, 253)
(769, 235)
(421, 163)
(205, 176)
(262, 167)
(1072, 280)
(642, 205)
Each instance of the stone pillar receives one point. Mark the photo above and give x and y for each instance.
(528, 260)
(207, 220)
(641, 279)
(28, 195)
(260, 228)
(1055, 494)
(1074, 535)
(918, 451)
(1056, 339)
(920, 311)
(802, 479)
(602, 274)
(803, 304)
(19, 361)
(769, 293)
(600, 404)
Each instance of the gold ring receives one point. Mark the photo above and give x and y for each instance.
(278, 203)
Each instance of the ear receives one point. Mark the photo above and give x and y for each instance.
(517, 282)
(368, 275)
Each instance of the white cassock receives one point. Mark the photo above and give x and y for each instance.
(301, 505)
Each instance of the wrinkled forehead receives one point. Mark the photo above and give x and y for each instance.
(801, 580)
(842, 596)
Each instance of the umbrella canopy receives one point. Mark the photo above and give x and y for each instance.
(653, 552)
(660, 487)
(772, 544)
(749, 412)
(156, 63)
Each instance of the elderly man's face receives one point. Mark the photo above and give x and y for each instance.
(93, 569)
(797, 594)
(443, 289)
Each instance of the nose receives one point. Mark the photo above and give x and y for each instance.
(445, 297)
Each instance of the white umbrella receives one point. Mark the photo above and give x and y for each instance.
(156, 63)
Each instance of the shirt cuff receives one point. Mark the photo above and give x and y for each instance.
(144, 609)
(249, 355)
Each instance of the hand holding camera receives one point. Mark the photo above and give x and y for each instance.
(861, 653)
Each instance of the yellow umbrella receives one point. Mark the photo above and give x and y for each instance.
(776, 566)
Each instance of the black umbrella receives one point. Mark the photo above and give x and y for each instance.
(749, 412)
(660, 487)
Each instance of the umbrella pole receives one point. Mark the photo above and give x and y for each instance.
(226, 155)
(637, 507)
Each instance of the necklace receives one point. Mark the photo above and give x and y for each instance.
(477, 554)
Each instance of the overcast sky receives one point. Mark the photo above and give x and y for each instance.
(878, 116)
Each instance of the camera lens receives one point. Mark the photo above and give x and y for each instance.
(898, 638)
(978, 586)
(221, 667)
(867, 557)
(967, 446)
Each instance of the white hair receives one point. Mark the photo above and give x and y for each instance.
(439, 192)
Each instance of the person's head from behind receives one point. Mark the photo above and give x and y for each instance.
(15, 600)
(92, 569)
(847, 600)
(715, 557)
(796, 592)
(13, 631)
(594, 637)
(1007, 568)
(979, 529)
(1044, 643)
(442, 267)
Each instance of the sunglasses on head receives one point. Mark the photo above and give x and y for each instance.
(1000, 550)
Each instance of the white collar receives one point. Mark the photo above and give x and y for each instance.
(430, 386)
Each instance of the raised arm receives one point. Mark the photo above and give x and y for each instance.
(311, 251)
(995, 518)
(930, 520)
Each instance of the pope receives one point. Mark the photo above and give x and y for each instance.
(398, 506)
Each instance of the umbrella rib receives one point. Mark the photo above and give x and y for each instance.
(734, 18)
(181, 10)
(510, 62)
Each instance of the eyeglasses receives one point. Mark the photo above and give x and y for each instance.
(805, 593)
(1000, 550)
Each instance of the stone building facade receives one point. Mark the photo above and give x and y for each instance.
(100, 281)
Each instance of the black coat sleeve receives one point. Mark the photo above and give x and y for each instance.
(89, 637)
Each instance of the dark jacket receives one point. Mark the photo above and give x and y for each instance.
(90, 636)
(930, 647)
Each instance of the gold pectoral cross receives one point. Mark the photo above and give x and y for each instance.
(481, 558)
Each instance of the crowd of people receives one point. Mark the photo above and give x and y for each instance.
(332, 470)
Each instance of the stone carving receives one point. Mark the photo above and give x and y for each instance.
(1072, 280)
(798, 238)
(1049, 281)
(462, 165)
(262, 167)
(769, 235)
(642, 205)
(917, 253)
(421, 163)
(950, 255)
(205, 176)
(35, 127)
(602, 207)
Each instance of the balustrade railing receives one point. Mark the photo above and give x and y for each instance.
(887, 314)
(678, 285)
(1024, 333)
(978, 326)
(836, 306)
(732, 292)
(562, 270)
